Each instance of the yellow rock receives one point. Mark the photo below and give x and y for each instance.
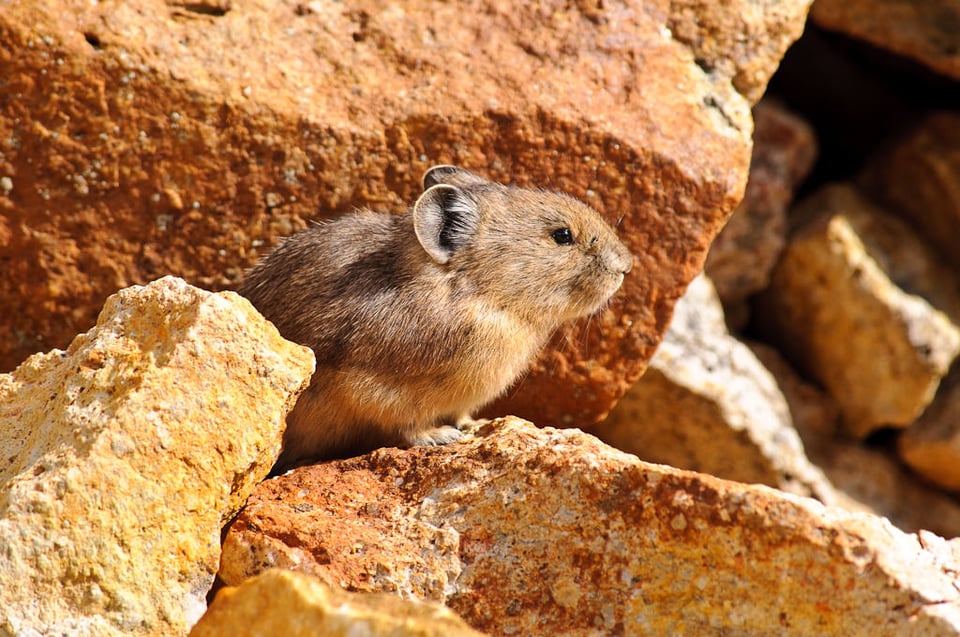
(866, 308)
(125, 455)
(279, 602)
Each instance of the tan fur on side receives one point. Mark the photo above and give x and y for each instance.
(417, 319)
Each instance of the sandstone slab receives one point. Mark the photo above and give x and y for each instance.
(127, 453)
(920, 179)
(707, 404)
(279, 602)
(863, 306)
(746, 250)
(553, 532)
(157, 137)
(923, 30)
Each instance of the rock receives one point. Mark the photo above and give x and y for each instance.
(128, 452)
(707, 404)
(716, 32)
(918, 177)
(146, 139)
(744, 253)
(813, 412)
(554, 532)
(922, 30)
(856, 302)
(864, 478)
(279, 602)
(931, 446)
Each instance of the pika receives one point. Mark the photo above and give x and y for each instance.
(417, 319)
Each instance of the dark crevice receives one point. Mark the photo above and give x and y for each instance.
(206, 8)
(93, 40)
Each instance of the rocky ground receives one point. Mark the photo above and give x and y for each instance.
(800, 389)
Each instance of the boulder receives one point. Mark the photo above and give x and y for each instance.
(279, 602)
(146, 138)
(744, 253)
(707, 404)
(931, 445)
(918, 176)
(864, 478)
(549, 531)
(127, 453)
(862, 305)
(923, 30)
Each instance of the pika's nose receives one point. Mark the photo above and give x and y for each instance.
(622, 260)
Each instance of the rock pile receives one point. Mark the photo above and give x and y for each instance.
(812, 371)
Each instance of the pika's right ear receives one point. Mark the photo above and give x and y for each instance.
(444, 219)
(447, 174)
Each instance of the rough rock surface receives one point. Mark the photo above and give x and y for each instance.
(145, 138)
(856, 301)
(552, 532)
(923, 30)
(931, 446)
(920, 178)
(744, 253)
(707, 404)
(128, 452)
(864, 478)
(291, 604)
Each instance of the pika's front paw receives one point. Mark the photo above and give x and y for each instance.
(468, 424)
(436, 436)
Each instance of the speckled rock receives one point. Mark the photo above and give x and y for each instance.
(864, 478)
(707, 404)
(279, 602)
(863, 306)
(931, 446)
(127, 453)
(923, 30)
(920, 179)
(146, 139)
(744, 253)
(553, 532)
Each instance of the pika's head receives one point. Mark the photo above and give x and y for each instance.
(544, 254)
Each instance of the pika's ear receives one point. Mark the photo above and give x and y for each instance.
(444, 219)
(447, 174)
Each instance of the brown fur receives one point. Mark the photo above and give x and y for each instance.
(417, 319)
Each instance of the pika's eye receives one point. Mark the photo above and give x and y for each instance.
(562, 236)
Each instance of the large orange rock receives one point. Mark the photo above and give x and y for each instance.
(528, 531)
(151, 137)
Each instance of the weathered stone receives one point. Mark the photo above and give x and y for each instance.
(557, 533)
(814, 413)
(931, 446)
(144, 138)
(923, 30)
(920, 178)
(279, 602)
(745, 251)
(707, 404)
(744, 41)
(864, 478)
(127, 453)
(856, 302)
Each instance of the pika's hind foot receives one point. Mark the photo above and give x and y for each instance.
(433, 437)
